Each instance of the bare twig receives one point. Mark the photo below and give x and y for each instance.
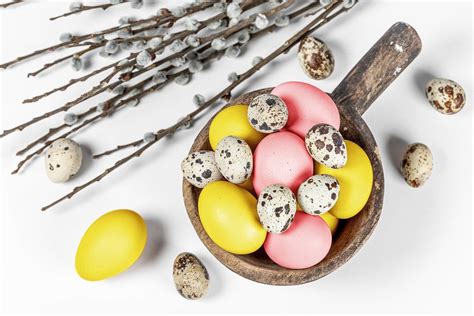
(328, 14)
(7, 4)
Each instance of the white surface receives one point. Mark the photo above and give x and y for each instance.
(418, 259)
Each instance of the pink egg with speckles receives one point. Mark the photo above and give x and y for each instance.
(303, 245)
(281, 158)
(307, 106)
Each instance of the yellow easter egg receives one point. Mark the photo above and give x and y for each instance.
(111, 245)
(355, 182)
(228, 214)
(331, 220)
(232, 121)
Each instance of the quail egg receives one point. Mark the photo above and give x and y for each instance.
(190, 276)
(63, 159)
(315, 58)
(267, 113)
(417, 164)
(318, 194)
(276, 208)
(234, 159)
(200, 168)
(446, 96)
(326, 145)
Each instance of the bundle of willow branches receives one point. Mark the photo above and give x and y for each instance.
(170, 46)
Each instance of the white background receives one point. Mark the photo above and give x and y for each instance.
(418, 259)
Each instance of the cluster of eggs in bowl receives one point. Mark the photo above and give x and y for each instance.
(280, 176)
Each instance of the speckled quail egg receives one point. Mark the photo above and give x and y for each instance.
(200, 168)
(190, 276)
(446, 96)
(267, 113)
(276, 208)
(326, 145)
(318, 194)
(234, 159)
(315, 58)
(63, 159)
(417, 164)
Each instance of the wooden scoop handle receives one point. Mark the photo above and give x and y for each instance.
(382, 64)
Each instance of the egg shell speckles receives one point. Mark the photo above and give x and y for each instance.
(200, 168)
(315, 58)
(446, 96)
(190, 276)
(267, 113)
(326, 145)
(276, 208)
(63, 159)
(234, 159)
(318, 194)
(417, 164)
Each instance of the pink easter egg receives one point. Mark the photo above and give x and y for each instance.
(303, 245)
(307, 106)
(281, 158)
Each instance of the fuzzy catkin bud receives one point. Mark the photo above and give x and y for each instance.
(195, 66)
(70, 119)
(178, 61)
(76, 64)
(243, 36)
(193, 40)
(155, 42)
(177, 46)
(261, 21)
(282, 20)
(144, 58)
(191, 24)
(199, 100)
(182, 79)
(75, 6)
(149, 137)
(232, 52)
(233, 10)
(65, 37)
(232, 77)
(111, 47)
(218, 43)
(256, 60)
(159, 77)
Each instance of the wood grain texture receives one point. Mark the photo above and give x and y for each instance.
(354, 232)
(378, 68)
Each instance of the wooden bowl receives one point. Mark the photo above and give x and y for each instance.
(364, 83)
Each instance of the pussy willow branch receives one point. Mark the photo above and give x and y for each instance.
(111, 109)
(7, 4)
(269, 29)
(83, 8)
(93, 46)
(165, 17)
(322, 19)
(103, 86)
(247, 5)
(87, 122)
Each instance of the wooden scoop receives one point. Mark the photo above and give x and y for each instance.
(382, 64)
